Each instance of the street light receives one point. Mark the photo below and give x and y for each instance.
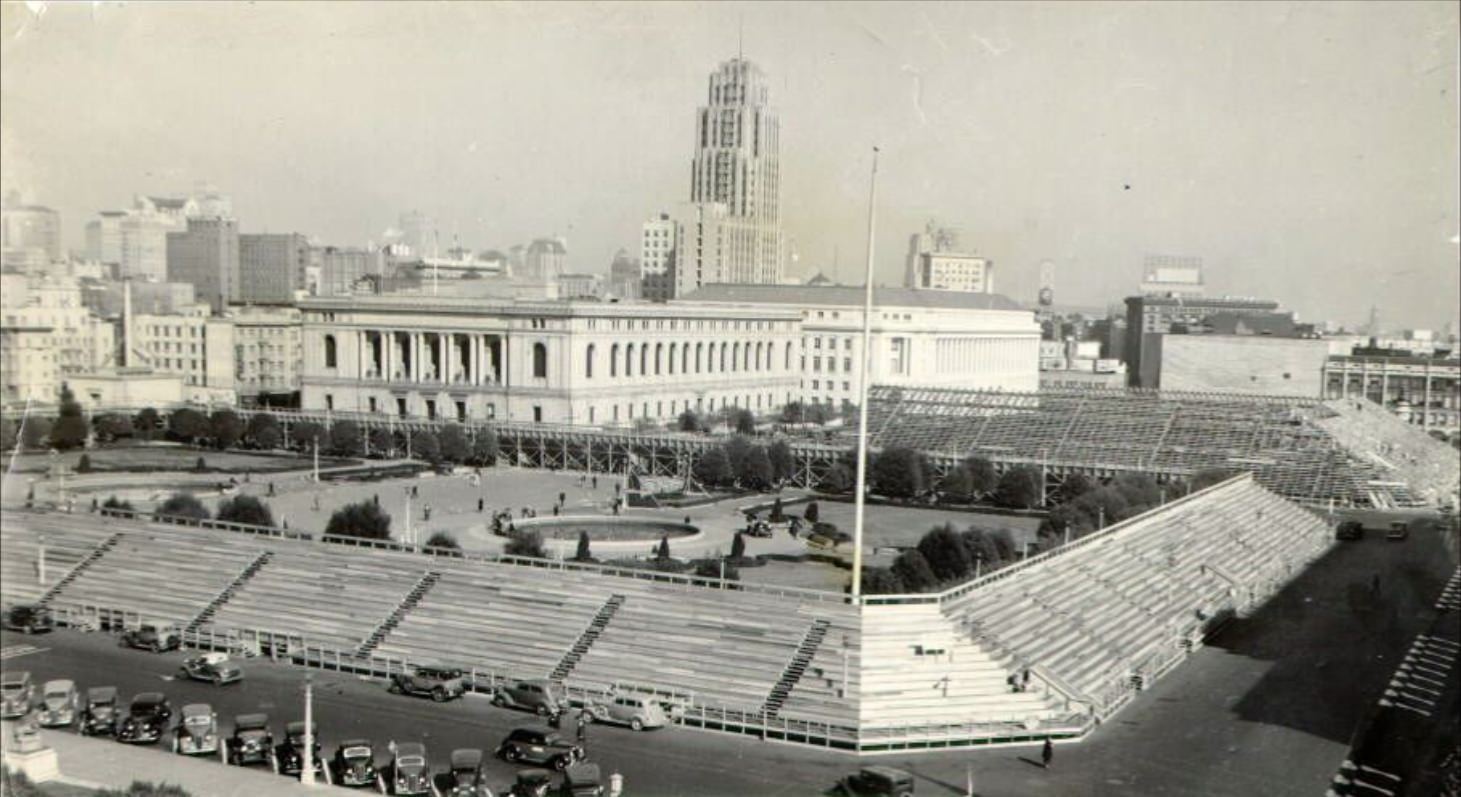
(307, 772)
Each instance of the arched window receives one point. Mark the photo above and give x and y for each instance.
(588, 362)
(786, 366)
(540, 361)
(685, 358)
(746, 358)
(735, 356)
(644, 359)
(671, 364)
(699, 347)
(659, 349)
(629, 359)
(722, 357)
(331, 354)
(614, 360)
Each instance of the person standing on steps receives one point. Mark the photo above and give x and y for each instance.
(1047, 754)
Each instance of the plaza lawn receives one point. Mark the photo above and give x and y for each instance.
(900, 527)
(148, 458)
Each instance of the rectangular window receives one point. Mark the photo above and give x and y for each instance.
(816, 384)
(537, 414)
(847, 364)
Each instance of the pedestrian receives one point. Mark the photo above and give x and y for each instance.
(317, 502)
(376, 498)
(426, 515)
(1046, 754)
(480, 504)
(596, 482)
(271, 489)
(562, 498)
(555, 510)
(1025, 681)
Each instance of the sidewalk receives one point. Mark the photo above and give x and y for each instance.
(103, 763)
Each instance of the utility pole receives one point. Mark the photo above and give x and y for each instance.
(867, 325)
(307, 772)
(317, 459)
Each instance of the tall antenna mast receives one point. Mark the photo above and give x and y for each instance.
(867, 334)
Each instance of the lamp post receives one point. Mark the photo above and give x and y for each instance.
(307, 770)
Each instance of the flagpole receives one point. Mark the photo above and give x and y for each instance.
(867, 326)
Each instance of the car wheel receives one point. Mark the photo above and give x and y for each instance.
(636, 724)
(499, 701)
(438, 694)
(512, 755)
(542, 710)
(218, 680)
(394, 688)
(560, 763)
(156, 647)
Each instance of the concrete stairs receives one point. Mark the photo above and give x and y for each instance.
(81, 566)
(424, 585)
(795, 668)
(585, 640)
(228, 592)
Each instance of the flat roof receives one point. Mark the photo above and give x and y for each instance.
(849, 295)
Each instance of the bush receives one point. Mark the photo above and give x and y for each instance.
(9, 434)
(70, 428)
(83, 465)
(663, 552)
(109, 427)
(914, 572)
(245, 509)
(303, 435)
(35, 432)
(1019, 488)
(713, 468)
(880, 581)
(957, 485)
(363, 520)
(484, 447)
(140, 788)
(441, 539)
(755, 470)
(898, 473)
(792, 412)
(187, 425)
(382, 442)
(226, 428)
(688, 421)
(717, 568)
(424, 445)
(183, 505)
(983, 477)
(583, 554)
(347, 439)
(113, 502)
(147, 423)
(263, 431)
(830, 531)
(839, 479)
(811, 513)
(1074, 486)
(526, 543)
(945, 553)
(453, 444)
(744, 422)
(782, 462)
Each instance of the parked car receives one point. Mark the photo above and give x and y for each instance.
(538, 695)
(878, 782)
(354, 763)
(1350, 530)
(532, 783)
(251, 742)
(638, 712)
(146, 719)
(289, 754)
(99, 714)
(59, 702)
(581, 780)
(197, 731)
(441, 683)
(533, 745)
(153, 635)
(466, 777)
(216, 668)
(1399, 530)
(406, 773)
(16, 693)
(29, 619)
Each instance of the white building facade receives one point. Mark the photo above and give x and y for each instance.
(193, 345)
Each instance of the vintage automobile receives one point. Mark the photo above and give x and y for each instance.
(197, 731)
(16, 692)
(533, 745)
(59, 702)
(289, 754)
(146, 719)
(1399, 530)
(406, 773)
(29, 619)
(581, 780)
(441, 683)
(153, 635)
(99, 714)
(877, 782)
(215, 668)
(467, 777)
(354, 763)
(538, 695)
(1350, 530)
(532, 783)
(251, 742)
(636, 711)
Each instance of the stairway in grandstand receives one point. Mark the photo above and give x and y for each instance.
(596, 627)
(798, 664)
(428, 580)
(81, 567)
(227, 592)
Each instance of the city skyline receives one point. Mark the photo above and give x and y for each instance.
(1246, 135)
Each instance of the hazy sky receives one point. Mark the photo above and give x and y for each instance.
(1306, 151)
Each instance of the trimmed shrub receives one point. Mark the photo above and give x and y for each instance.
(583, 554)
(245, 509)
(914, 572)
(1019, 488)
(187, 425)
(441, 539)
(811, 513)
(526, 543)
(70, 428)
(898, 473)
(183, 505)
(738, 546)
(226, 428)
(363, 520)
(83, 465)
(663, 552)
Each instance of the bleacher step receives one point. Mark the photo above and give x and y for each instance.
(81, 566)
(228, 592)
(795, 668)
(413, 597)
(586, 639)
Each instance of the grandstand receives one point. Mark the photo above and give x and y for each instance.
(1310, 451)
(1043, 648)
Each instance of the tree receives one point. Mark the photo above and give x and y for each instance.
(755, 470)
(347, 439)
(983, 476)
(737, 448)
(304, 434)
(187, 425)
(526, 543)
(744, 422)
(880, 581)
(983, 551)
(263, 431)
(453, 443)
(837, 480)
(1019, 488)
(1204, 479)
(70, 428)
(363, 520)
(811, 513)
(782, 462)
(111, 426)
(914, 572)
(9, 434)
(738, 547)
(245, 509)
(226, 428)
(484, 447)
(1074, 486)
(114, 502)
(183, 505)
(945, 553)
(688, 421)
(441, 539)
(83, 465)
(147, 422)
(792, 412)
(713, 468)
(35, 432)
(957, 485)
(424, 445)
(898, 473)
(382, 442)
(142, 788)
(583, 554)
(778, 515)
(663, 552)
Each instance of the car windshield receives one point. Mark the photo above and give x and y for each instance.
(357, 752)
(145, 709)
(199, 720)
(411, 761)
(57, 694)
(11, 686)
(251, 733)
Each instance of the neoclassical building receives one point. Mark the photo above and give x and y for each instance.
(547, 361)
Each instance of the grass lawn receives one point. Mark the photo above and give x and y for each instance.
(148, 458)
(902, 527)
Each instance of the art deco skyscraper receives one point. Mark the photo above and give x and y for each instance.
(736, 164)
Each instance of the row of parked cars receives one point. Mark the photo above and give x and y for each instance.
(542, 696)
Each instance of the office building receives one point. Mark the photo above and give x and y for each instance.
(195, 345)
(657, 258)
(545, 259)
(340, 268)
(31, 233)
(267, 354)
(272, 268)
(1153, 315)
(935, 263)
(1423, 390)
(206, 255)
